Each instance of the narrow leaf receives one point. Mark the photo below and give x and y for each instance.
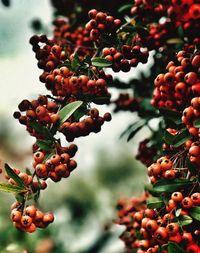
(172, 115)
(125, 7)
(10, 188)
(195, 213)
(197, 123)
(44, 144)
(40, 129)
(181, 138)
(184, 220)
(154, 202)
(101, 62)
(14, 176)
(134, 132)
(174, 248)
(68, 110)
(171, 186)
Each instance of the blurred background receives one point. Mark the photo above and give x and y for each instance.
(84, 204)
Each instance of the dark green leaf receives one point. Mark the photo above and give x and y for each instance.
(181, 138)
(195, 213)
(68, 110)
(181, 32)
(75, 62)
(14, 176)
(134, 132)
(40, 129)
(44, 144)
(171, 186)
(150, 189)
(146, 105)
(101, 62)
(154, 202)
(125, 7)
(49, 155)
(184, 220)
(10, 188)
(197, 123)
(168, 138)
(178, 139)
(172, 115)
(174, 248)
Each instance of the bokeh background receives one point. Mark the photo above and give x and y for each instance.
(84, 204)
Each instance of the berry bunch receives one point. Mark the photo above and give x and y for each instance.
(102, 25)
(163, 169)
(93, 123)
(156, 228)
(174, 89)
(56, 166)
(125, 57)
(29, 218)
(41, 110)
(191, 114)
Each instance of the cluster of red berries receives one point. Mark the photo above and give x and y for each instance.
(101, 25)
(62, 82)
(155, 227)
(73, 39)
(178, 14)
(29, 218)
(145, 152)
(125, 57)
(192, 113)
(163, 168)
(194, 152)
(59, 78)
(41, 110)
(57, 166)
(93, 123)
(174, 89)
(148, 11)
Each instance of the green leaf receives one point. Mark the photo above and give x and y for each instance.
(195, 213)
(150, 189)
(101, 62)
(172, 115)
(134, 132)
(197, 123)
(154, 202)
(68, 110)
(178, 212)
(178, 139)
(40, 129)
(184, 220)
(75, 62)
(49, 155)
(168, 138)
(171, 186)
(181, 138)
(44, 144)
(10, 188)
(146, 105)
(174, 248)
(125, 7)
(14, 176)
